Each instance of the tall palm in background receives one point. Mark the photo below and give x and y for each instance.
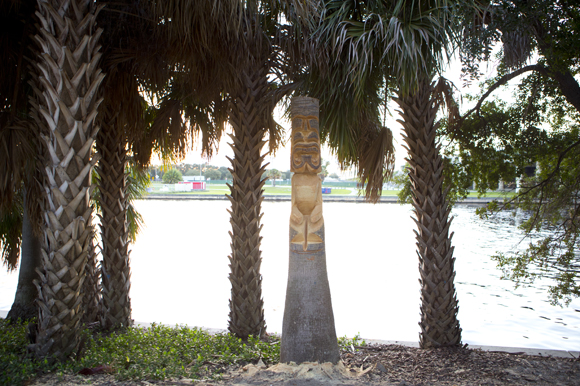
(266, 42)
(20, 155)
(405, 42)
(121, 118)
(252, 105)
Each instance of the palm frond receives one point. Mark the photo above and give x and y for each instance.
(517, 48)
(137, 183)
(444, 96)
(403, 38)
(11, 232)
(376, 162)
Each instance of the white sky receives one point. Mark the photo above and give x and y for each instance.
(281, 160)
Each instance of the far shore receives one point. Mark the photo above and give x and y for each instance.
(474, 201)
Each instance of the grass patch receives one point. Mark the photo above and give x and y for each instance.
(277, 190)
(492, 194)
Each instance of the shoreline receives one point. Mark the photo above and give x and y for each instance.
(541, 352)
(326, 198)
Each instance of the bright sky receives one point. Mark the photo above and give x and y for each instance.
(281, 160)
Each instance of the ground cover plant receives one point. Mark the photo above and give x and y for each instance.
(157, 352)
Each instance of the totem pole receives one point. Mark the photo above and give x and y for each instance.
(308, 333)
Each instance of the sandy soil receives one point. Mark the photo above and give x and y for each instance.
(380, 365)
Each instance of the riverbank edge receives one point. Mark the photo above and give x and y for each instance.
(509, 350)
(326, 198)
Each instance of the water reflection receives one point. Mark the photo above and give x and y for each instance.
(180, 273)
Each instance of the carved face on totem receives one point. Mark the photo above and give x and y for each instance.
(305, 145)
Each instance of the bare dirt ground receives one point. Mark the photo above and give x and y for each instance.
(380, 365)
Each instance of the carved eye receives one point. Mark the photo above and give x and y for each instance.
(315, 158)
(297, 159)
(313, 135)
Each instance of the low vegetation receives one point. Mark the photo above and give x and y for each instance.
(157, 352)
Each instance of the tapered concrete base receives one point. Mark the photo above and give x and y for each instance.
(308, 333)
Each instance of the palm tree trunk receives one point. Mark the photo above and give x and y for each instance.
(68, 61)
(248, 121)
(23, 306)
(439, 306)
(91, 289)
(115, 272)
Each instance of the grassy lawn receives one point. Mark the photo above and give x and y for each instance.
(219, 189)
(223, 189)
(492, 194)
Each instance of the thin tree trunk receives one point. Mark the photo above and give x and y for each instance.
(439, 306)
(115, 271)
(308, 332)
(30, 260)
(68, 61)
(248, 121)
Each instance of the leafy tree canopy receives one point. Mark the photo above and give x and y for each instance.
(212, 174)
(504, 142)
(172, 176)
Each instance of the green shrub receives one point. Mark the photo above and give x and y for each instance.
(157, 352)
(160, 352)
(16, 365)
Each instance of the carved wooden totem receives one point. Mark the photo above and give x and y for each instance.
(308, 332)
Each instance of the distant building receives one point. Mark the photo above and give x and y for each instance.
(189, 186)
(193, 178)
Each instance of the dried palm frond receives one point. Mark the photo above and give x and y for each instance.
(15, 151)
(444, 97)
(376, 162)
(517, 48)
(11, 232)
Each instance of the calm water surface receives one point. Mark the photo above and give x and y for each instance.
(180, 274)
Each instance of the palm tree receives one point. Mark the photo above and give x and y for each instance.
(237, 45)
(138, 55)
(68, 62)
(274, 174)
(268, 59)
(20, 194)
(405, 41)
(282, 50)
(121, 116)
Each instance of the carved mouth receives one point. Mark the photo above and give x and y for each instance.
(306, 148)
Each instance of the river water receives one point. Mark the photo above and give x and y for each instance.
(180, 274)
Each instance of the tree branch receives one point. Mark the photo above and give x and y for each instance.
(503, 80)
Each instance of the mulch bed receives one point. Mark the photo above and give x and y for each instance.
(460, 366)
(390, 365)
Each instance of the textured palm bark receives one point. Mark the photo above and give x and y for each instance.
(439, 306)
(248, 121)
(115, 271)
(68, 61)
(91, 289)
